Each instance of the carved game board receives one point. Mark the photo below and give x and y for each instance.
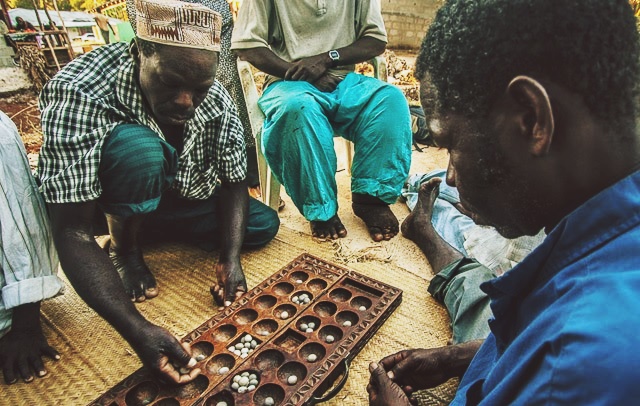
(343, 304)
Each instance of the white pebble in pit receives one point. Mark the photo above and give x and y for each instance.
(269, 401)
(284, 315)
(292, 380)
(329, 339)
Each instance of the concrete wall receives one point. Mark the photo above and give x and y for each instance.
(407, 21)
(6, 52)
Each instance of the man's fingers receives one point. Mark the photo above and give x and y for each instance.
(184, 378)
(378, 374)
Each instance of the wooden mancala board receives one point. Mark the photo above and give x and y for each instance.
(342, 303)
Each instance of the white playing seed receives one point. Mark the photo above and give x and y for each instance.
(244, 381)
(236, 378)
(252, 377)
(312, 325)
(306, 300)
(200, 357)
(235, 386)
(253, 382)
(244, 355)
(239, 346)
(264, 333)
(248, 338)
(254, 343)
(309, 330)
(329, 339)
(221, 404)
(312, 357)
(295, 299)
(244, 351)
(299, 281)
(284, 315)
(346, 323)
(269, 401)
(237, 352)
(245, 373)
(304, 326)
(223, 370)
(251, 387)
(292, 380)
(232, 348)
(242, 389)
(362, 308)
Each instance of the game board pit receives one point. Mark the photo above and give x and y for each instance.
(340, 295)
(265, 327)
(292, 368)
(265, 302)
(290, 340)
(316, 349)
(269, 390)
(269, 360)
(283, 288)
(325, 309)
(224, 333)
(317, 284)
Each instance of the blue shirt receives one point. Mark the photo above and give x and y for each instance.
(566, 327)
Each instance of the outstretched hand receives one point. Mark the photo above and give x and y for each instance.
(21, 352)
(231, 283)
(418, 369)
(382, 390)
(161, 352)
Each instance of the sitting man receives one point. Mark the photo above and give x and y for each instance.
(144, 134)
(455, 246)
(309, 49)
(540, 115)
(28, 262)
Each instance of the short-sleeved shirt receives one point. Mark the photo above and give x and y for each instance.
(303, 28)
(96, 92)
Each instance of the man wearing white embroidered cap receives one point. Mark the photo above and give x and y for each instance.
(143, 135)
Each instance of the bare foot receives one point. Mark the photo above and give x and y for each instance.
(380, 220)
(419, 220)
(138, 280)
(330, 229)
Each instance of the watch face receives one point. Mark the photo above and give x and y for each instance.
(334, 55)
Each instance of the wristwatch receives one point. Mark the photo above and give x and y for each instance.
(334, 55)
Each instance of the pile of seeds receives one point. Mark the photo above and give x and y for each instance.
(308, 327)
(245, 347)
(302, 298)
(244, 382)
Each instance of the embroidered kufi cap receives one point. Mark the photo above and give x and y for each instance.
(177, 23)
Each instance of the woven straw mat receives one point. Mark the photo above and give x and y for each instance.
(95, 357)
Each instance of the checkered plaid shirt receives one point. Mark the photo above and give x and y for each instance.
(96, 92)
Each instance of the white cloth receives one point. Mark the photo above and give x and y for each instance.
(28, 259)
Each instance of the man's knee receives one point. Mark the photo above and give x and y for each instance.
(136, 164)
(263, 224)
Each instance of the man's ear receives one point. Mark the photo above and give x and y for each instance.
(135, 52)
(537, 121)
